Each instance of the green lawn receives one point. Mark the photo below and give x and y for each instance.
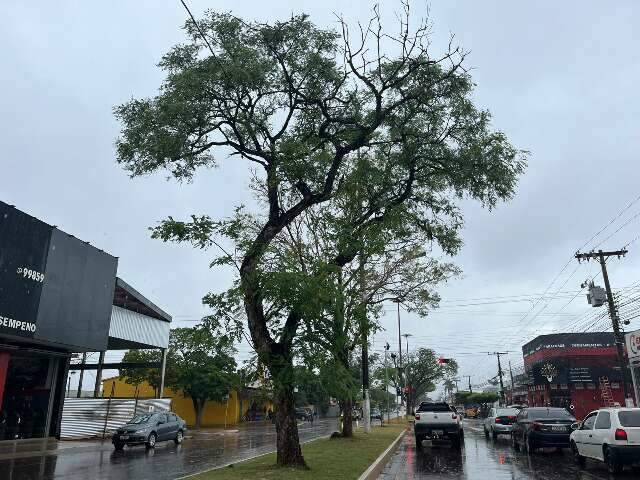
(337, 458)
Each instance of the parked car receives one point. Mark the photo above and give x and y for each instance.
(303, 414)
(376, 414)
(540, 427)
(610, 435)
(471, 412)
(437, 423)
(499, 421)
(150, 428)
(460, 410)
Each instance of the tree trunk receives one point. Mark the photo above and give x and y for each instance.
(347, 418)
(288, 444)
(198, 407)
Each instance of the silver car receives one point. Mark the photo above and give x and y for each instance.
(499, 421)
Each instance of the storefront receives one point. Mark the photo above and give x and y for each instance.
(58, 296)
(577, 371)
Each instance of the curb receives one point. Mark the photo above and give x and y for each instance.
(376, 467)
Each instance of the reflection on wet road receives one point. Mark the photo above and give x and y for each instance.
(207, 449)
(482, 459)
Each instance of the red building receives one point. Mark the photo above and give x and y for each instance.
(578, 371)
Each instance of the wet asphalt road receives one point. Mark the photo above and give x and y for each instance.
(205, 450)
(482, 459)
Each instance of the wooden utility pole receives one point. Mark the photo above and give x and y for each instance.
(500, 373)
(469, 377)
(613, 313)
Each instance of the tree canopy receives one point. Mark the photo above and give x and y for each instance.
(375, 123)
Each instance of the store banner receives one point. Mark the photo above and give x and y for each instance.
(633, 346)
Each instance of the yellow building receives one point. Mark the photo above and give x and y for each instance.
(215, 413)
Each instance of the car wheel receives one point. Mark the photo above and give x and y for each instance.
(514, 443)
(151, 441)
(577, 458)
(119, 446)
(494, 435)
(179, 438)
(613, 464)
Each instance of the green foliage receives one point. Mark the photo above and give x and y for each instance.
(199, 363)
(482, 398)
(379, 140)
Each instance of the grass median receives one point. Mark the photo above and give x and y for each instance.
(336, 458)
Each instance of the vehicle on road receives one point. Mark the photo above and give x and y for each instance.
(376, 414)
(610, 435)
(303, 414)
(460, 410)
(499, 421)
(149, 429)
(437, 423)
(541, 427)
(471, 412)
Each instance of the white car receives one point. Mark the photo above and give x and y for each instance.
(610, 435)
(499, 421)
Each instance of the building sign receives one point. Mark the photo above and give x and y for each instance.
(54, 287)
(569, 340)
(633, 346)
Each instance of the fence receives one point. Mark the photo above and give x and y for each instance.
(98, 417)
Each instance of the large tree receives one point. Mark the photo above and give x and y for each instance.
(300, 103)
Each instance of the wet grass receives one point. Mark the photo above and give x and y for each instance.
(336, 458)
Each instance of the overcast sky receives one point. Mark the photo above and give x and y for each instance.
(559, 77)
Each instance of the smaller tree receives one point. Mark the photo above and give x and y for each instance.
(204, 366)
(421, 372)
(199, 363)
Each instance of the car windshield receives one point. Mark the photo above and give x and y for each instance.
(550, 413)
(434, 407)
(629, 418)
(507, 412)
(138, 419)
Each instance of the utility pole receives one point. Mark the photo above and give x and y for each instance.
(80, 378)
(386, 378)
(365, 350)
(500, 373)
(469, 377)
(401, 383)
(613, 313)
(407, 382)
(406, 337)
(512, 382)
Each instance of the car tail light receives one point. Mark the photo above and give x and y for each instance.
(498, 420)
(417, 416)
(536, 425)
(513, 419)
(620, 434)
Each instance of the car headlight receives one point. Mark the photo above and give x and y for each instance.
(142, 430)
